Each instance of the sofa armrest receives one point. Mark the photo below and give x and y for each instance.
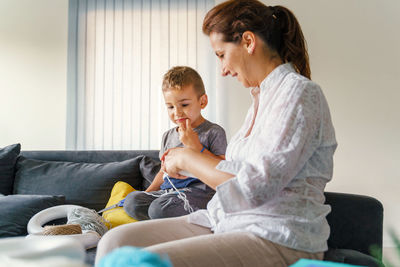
(356, 222)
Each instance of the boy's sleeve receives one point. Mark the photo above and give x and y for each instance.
(217, 141)
(163, 144)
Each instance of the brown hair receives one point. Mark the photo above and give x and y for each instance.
(276, 25)
(180, 76)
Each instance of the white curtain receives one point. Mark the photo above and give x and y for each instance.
(118, 53)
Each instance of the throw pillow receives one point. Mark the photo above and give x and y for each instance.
(117, 215)
(149, 168)
(17, 210)
(8, 157)
(84, 184)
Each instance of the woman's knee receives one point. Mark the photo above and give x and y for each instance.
(124, 235)
(109, 241)
(132, 234)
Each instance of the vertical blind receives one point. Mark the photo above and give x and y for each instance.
(118, 52)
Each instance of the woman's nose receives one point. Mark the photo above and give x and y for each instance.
(225, 71)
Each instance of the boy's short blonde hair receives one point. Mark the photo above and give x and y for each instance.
(178, 77)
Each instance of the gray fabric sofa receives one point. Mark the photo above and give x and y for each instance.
(86, 178)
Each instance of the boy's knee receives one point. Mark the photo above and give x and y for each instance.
(165, 208)
(135, 205)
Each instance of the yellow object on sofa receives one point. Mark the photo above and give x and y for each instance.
(118, 216)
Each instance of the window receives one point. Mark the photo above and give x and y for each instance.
(118, 51)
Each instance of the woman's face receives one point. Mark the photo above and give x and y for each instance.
(234, 59)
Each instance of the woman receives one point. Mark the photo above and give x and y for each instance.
(268, 209)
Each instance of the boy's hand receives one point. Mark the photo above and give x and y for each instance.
(188, 137)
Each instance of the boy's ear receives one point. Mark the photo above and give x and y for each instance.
(203, 101)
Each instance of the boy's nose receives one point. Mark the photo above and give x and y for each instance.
(178, 112)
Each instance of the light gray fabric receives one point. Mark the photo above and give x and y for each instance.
(211, 135)
(17, 210)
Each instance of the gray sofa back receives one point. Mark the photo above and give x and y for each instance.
(85, 178)
(90, 156)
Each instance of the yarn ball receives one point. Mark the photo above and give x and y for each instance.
(64, 229)
(135, 257)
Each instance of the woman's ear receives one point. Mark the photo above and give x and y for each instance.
(249, 41)
(203, 101)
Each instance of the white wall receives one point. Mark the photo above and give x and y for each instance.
(357, 63)
(354, 53)
(33, 64)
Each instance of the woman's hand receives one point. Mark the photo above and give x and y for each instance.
(188, 137)
(198, 164)
(171, 162)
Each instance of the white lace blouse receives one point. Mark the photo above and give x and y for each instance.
(281, 166)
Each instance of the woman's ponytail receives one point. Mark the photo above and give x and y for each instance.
(293, 47)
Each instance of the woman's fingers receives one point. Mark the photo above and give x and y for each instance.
(178, 176)
(170, 163)
(163, 168)
(165, 153)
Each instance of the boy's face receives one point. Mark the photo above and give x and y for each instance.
(185, 104)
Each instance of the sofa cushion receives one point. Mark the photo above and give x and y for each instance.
(8, 157)
(84, 184)
(17, 210)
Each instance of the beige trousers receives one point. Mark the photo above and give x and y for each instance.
(191, 245)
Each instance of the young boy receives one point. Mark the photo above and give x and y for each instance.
(185, 97)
